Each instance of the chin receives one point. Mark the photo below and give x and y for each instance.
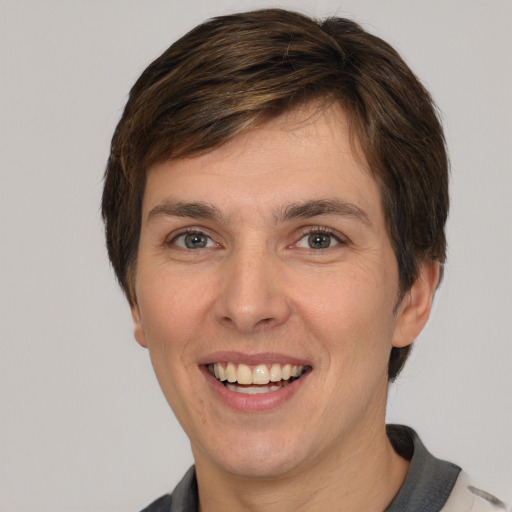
(259, 467)
(255, 456)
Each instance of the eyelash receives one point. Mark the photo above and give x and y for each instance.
(320, 230)
(185, 232)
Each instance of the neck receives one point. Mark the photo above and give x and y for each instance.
(364, 477)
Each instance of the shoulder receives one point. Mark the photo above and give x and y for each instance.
(183, 498)
(162, 504)
(465, 497)
(435, 485)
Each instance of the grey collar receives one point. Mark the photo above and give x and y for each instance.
(429, 480)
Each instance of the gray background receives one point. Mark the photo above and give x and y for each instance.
(83, 425)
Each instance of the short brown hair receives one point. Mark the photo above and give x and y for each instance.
(233, 72)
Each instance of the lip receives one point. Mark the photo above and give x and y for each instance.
(259, 402)
(252, 359)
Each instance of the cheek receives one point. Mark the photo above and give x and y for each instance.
(351, 313)
(171, 309)
(171, 315)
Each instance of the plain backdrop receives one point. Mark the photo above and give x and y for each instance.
(83, 425)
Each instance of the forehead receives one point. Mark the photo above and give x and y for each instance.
(305, 154)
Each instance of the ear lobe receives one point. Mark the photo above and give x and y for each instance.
(138, 330)
(416, 305)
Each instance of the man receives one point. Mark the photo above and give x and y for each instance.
(275, 203)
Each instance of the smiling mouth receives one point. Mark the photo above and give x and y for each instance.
(257, 379)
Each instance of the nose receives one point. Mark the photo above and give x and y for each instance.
(253, 293)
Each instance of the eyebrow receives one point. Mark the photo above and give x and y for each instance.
(305, 210)
(319, 207)
(195, 210)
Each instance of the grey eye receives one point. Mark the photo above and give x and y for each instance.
(319, 240)
(193, 241)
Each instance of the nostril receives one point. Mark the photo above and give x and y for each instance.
(265, 322)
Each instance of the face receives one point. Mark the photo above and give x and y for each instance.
(266, 289)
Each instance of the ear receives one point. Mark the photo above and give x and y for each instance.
(416, 305)
(138, 330)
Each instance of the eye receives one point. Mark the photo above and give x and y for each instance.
(318, 239)
(193, 240)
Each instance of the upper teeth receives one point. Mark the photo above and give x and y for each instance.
(260, 374)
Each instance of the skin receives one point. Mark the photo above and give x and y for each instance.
(257, 287)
